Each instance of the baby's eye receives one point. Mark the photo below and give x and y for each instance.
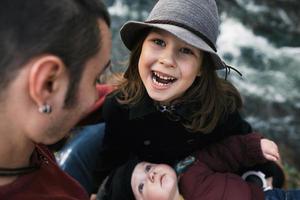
(141, 187)
(147, 168)
(159, 42)
(186, 51)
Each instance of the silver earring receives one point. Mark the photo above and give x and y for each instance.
(45, 109)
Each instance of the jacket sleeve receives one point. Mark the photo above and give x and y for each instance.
(200, 182)
(233, 153)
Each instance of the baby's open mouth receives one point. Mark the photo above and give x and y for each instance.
(162, 79)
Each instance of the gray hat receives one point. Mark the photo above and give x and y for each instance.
(194, 21)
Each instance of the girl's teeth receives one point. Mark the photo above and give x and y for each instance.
(163, 77)
(158, 83)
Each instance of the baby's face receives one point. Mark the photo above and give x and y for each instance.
(154, 182)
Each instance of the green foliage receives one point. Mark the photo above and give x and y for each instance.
(293, 177)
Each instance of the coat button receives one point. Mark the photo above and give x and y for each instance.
(190, 141)
(147, 142)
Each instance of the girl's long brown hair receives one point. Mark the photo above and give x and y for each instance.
(214, 97)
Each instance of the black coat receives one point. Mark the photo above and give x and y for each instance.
(144, 131)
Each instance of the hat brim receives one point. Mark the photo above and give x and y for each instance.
(131, 31)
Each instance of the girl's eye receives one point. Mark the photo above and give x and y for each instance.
(186, 51)
(147, 168)
(159, 42)
(141, 187)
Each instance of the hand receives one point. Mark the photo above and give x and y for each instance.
(269, 150)
(93, 197)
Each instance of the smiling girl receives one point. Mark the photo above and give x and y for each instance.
(171, 88)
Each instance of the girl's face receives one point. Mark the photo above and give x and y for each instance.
(154, 182)
(168, 66)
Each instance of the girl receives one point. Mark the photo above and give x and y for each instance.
(171, 89)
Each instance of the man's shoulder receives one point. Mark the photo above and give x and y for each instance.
(47, 182)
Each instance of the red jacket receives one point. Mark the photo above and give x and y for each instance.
(211, 177)
(48, 182)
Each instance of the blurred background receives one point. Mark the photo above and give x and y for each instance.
(261, 38)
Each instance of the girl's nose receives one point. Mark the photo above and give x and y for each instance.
(167, 58)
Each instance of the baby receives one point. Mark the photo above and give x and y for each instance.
(211, 176)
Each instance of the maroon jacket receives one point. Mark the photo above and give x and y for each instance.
(211, 176)
(48, 182)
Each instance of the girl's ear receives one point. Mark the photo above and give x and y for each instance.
(199, 73)
(200, 68)
(44, 77)
(202, 58)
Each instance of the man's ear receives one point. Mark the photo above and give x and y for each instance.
(44, 77)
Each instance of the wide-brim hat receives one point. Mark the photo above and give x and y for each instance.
(196, 22)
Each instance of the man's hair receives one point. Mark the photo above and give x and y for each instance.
(65, 28)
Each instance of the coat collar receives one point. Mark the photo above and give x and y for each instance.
(147, 106)
(142, 108)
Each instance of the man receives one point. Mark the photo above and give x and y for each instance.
(51, 55)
